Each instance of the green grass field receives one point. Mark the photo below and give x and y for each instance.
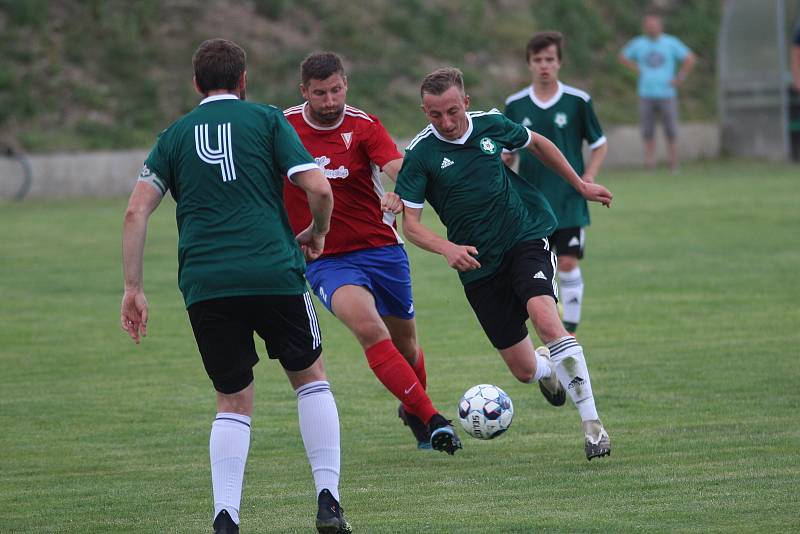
(690, 329)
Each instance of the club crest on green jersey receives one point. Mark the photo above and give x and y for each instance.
(560, 119)
(488, 146)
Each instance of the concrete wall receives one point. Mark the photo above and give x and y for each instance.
(697, 140)
(104, 174)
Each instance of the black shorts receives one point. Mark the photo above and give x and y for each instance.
(568, 241)
(500, 300)
(224, 330)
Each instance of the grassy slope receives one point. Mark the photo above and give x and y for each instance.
(84, 74)
(690, 329)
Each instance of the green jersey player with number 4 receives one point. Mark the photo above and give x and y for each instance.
(497, 228)
(240, 269)
(565, 116)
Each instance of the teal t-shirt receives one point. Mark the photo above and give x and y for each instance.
(478, 199)
(224, 163)
(658, 60)
(567, 119)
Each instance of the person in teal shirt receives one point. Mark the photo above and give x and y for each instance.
(655, 57)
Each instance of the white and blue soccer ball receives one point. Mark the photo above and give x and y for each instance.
(485, 411)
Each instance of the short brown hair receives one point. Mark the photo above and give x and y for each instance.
(218, 64)
(542, 40)
(320, 66)
(440, 80)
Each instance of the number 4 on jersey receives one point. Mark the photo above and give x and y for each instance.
(222, 155)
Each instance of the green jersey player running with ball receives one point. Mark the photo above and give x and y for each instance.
(566, 117)
(497, 228)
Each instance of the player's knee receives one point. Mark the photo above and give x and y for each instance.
(567, 263)
(524, 375)
(240, 402)
(369, 333)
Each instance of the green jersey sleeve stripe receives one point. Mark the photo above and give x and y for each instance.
(156, 182)
(420, 136)
(493, 111)
(300, 168)
(574, 91)
(519, 94)
(413, 204)
(530, 139)
(598, 143)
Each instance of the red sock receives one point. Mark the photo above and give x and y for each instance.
(419, 368)
(397, 376)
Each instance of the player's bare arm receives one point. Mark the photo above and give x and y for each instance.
(320, 202)
(393, 168)
(459, 257)
(598, 156)
(391, 202)
(550, 155)
(133, 312)
(509, 158)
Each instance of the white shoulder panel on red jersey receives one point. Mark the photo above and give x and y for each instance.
(355, 112)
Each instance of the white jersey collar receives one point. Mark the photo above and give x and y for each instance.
(318, 127)
(544, 104)
(461, 140)
(214, 98)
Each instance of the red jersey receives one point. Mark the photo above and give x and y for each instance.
(350, 155)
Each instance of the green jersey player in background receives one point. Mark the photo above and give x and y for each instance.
(497, 227)
(566, 117)
(240, 268)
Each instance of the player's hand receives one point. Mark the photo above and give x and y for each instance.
(588, 178)
(391, 203)
(461, 257)
(509, 158)
(133, 314)
(596, 193)
(311, 243)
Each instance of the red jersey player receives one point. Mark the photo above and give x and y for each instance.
(363, 274)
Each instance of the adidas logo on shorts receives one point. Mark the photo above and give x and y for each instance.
(540, 275)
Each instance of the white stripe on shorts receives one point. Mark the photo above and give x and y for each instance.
(312, 321)
(554, 263)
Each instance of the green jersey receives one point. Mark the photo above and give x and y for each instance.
(566, 119)
(223, 163)
(471, 189)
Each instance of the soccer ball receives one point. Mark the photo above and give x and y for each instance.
(485, 411)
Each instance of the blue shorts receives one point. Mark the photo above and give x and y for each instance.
(384, 271)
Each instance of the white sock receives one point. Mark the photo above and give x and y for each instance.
(542, 369)
(571, 292)
(573, 374)
(319, 426)
(228, 448)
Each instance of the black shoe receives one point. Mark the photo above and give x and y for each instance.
(223, 524)
(443, 435)
(417, 427)
(330, 516)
